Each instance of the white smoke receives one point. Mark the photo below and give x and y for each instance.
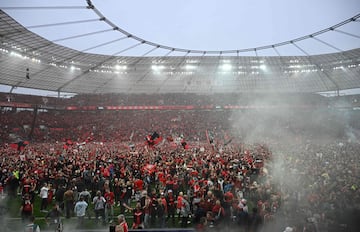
(291, 127)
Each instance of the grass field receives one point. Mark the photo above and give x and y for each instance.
(13, 217)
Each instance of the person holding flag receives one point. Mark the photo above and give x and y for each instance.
(153, 139)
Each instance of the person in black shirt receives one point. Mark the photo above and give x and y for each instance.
(161, 214)
(171, 207)
(153, 207)
(255, 221)
(129, 193)
(59, 196)
(53, 217)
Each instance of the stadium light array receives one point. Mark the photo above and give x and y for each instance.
(157, 67)
(120, 67)
(190, 67)
(226, 67)
(262, 67)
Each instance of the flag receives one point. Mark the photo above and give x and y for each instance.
(155, 135)
(150, 168)
(131, 136)
(228, 141)
(19, 146)
(227, 138)
(68, 144)
(158, 140)
(209, 137)
(153, 139)
(131, 146)
(184, 144)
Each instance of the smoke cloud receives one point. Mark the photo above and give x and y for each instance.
(308, 139)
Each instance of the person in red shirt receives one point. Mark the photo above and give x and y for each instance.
(122, 226)
(27, 208)
(26, 187)
(228, 196)
(179, 202)
(218, 211)
(138, 216)
(109, 206)
(145, 202)
(139, 185)
(209, 201)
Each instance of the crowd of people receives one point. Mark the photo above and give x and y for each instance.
(239, 184)
(204, 173)
(112, 99)
(109, 175)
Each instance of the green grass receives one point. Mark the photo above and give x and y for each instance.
(14, 223)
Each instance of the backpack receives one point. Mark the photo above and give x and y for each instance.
(27, 206)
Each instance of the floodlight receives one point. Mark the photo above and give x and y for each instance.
(226, 67)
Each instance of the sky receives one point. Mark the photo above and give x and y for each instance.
(206, 25)
(210, 25)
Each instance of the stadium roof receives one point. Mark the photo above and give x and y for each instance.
(31, 61)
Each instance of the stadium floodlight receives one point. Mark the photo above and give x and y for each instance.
(157, 67)
(72, 67)
(16, 54)
(190, 67)
(226, 67)
(120, 67)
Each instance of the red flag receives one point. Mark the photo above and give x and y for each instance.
(158, 140)
(68, 144)
(154, 139)
(150, 168)
(14, 146)
(184, 144)
(20, 146)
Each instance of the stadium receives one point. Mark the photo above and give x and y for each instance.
(176, 139)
